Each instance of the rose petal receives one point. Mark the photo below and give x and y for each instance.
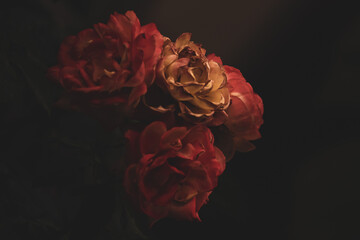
(221, 159)
(217, 74)
(85, 38)
(201, 199)
(172, 138)
(134, 22)
(122, 26)
(219, 118)
(214, 58)
(137, 79)
(174, 67)
(182, 40)
(243, 145)
(150, 137)
(188, 152)
(185, 193)
(198, 178)
(183, 211)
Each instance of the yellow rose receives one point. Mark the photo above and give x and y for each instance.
(196, 82)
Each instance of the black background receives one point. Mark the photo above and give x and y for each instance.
(302, 181)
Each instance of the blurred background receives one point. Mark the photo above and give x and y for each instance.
(302, 181)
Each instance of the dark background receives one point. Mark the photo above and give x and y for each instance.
(302, 181)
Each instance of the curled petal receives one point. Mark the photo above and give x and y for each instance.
(183, 40)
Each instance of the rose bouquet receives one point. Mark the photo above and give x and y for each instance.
(182, 112)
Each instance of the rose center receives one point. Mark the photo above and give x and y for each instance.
(187, 52)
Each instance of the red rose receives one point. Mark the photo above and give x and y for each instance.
(245, 112)
(110, 64)
(173, 171)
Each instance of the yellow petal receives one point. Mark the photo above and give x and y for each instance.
(193, 88)
(188, 109)
(186, 77)
(216, 98)
(201, 104)
(168, 59)
(173, 69)
(182, 41)
(217, 74)
(196, 48)
(168, 48)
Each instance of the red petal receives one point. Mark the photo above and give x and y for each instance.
(188, 152)
(155, 212)
(101, 29)
(122, 26)
(245, 116)
(172, 138)
(185, 193)
(71, 78)
(150, 137)
(146, 44)
(88, 90)
(185, 211)
(199, 136)
(85, 38)
(221, 159)
(198, 178)
(138, 78)
(213, 57)
(159, 184)
(134, 22)
(201, 199)
(243, 145)
(219, 118)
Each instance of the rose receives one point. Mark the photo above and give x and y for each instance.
(111, 64)
(172, 171)
(245, 112)
(197, 83)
